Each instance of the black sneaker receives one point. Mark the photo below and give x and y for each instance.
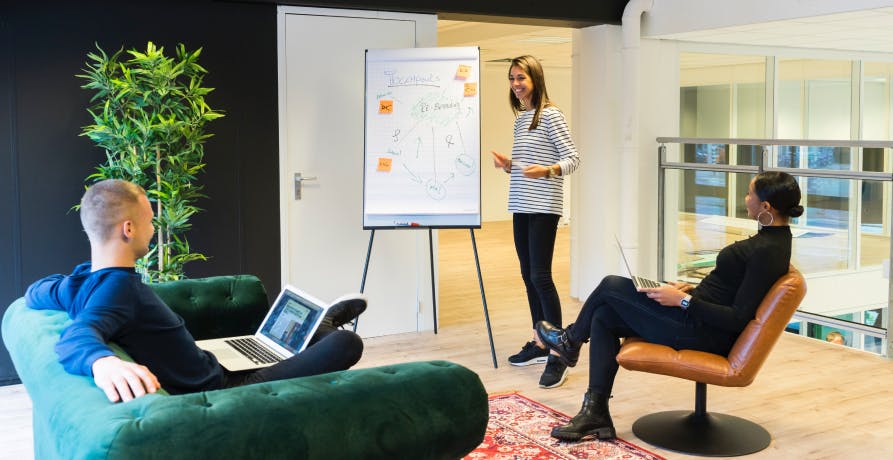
(529, 354)
(555, 373)
(344, 309)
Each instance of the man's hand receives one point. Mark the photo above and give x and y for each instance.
(123, 381)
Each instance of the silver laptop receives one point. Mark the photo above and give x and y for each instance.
(638, 281)
(284, 332)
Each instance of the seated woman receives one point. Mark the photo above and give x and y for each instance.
(708, 317)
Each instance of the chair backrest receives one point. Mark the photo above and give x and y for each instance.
(759, 336)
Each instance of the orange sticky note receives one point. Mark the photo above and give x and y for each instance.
(471, 89)
(384, 165)
(385, 106)
(463, 72)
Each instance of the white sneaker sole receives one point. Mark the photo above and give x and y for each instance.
(531, 362)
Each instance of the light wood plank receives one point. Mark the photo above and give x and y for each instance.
(818, 400)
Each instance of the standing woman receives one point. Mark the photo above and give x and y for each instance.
(542, 154)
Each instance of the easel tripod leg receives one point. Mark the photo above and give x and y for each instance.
(365, 270)
(477, 264)
(433, 292)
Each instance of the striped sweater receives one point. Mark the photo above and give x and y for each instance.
(548, 144)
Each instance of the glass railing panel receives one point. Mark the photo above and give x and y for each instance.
(702, 224)
(841, 243)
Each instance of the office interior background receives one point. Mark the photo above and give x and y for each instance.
(772, 70)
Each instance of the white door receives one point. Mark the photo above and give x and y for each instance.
(321, 86)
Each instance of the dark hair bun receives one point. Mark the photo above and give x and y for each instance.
(795, 211)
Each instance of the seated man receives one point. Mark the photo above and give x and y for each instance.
(108, 302)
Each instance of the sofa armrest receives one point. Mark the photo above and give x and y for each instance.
(217, 306)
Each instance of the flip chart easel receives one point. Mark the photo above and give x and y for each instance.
(477, 264)
(422, 147)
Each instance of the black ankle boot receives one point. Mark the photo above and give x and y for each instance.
(593, 421)
(557, 340)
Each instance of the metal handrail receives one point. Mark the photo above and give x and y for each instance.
(786, 142)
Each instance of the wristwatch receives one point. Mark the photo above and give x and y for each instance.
(685, 302)
(550, 173)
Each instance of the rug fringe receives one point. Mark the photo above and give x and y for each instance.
(503, 393)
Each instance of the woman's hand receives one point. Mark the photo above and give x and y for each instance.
(536, 171)
(665, 294)
(501, 161)
(684, 287)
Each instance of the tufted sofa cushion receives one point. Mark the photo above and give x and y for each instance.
(420, 410)
(217, 306)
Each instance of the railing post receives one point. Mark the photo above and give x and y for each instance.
(661, 197)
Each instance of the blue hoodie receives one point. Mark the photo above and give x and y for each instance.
(113, 305)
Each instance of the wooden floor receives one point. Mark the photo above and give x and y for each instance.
(818, 400)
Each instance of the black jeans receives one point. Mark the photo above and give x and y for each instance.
(535, 244)
(615, 310)
(329, 350)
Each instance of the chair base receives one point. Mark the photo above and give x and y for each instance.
(706, 434)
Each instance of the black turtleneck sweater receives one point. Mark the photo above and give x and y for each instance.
(727, 299)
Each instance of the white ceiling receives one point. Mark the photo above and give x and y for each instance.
(866, 30)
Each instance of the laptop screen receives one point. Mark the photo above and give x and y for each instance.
(291, 322)
(629, 272)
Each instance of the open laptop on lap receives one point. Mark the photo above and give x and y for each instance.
(284, 332)
(639, 281)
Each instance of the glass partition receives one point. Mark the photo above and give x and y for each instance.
(814, 99)
(731, 108)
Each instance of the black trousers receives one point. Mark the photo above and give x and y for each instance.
(535, 244)
(330, 350)
(615, 310)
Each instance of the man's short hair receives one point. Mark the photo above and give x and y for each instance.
(106, 204)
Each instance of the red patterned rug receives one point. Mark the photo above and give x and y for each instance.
(519, 429)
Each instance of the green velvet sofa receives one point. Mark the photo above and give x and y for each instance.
(419, 410)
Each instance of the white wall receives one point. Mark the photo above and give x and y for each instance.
(497, 121)
(597, 194)
(496, 134)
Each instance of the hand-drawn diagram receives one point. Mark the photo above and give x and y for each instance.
(423, 121)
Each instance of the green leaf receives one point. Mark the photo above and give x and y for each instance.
(148, 112)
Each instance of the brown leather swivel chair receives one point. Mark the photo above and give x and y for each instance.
(700, 432)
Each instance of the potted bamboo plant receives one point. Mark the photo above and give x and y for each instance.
(149, 114)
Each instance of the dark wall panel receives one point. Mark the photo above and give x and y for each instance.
(9, 251)
(43, 160)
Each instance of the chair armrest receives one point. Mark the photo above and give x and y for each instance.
(218, 306)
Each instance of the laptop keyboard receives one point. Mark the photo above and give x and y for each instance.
(645, 282)
(254, 351)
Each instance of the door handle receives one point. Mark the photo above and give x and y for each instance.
(299, 180)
